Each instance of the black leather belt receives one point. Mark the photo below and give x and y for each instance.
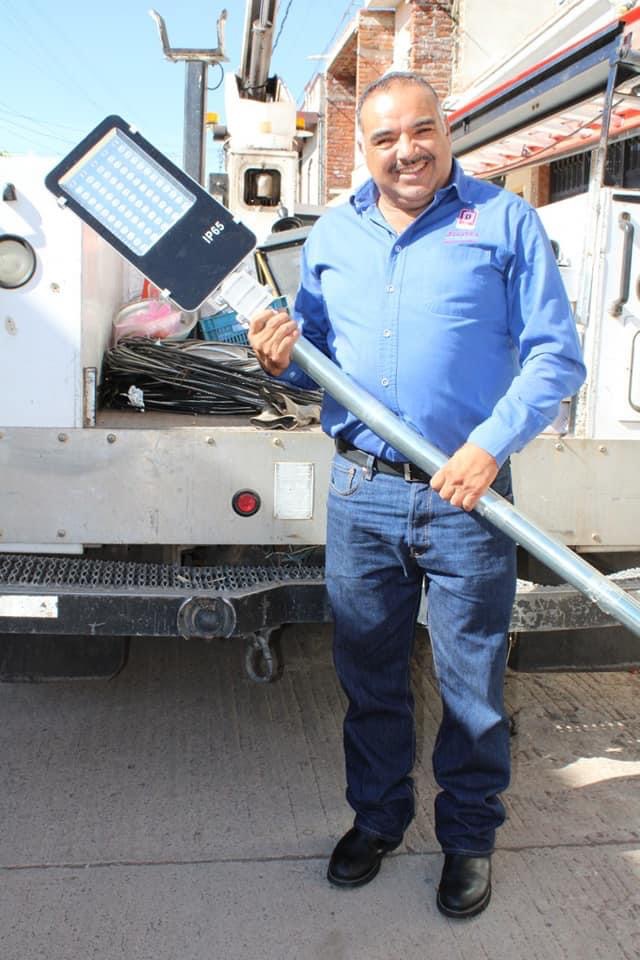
(408, 471)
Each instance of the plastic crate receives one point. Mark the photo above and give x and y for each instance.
(225, 327)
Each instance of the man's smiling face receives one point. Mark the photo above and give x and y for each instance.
(407, 146)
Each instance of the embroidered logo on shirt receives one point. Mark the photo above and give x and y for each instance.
(467, 219)
(464, 227)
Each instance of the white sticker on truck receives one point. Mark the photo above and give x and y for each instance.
(293, 495)
(23, 606)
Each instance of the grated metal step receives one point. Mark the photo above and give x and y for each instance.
(72, 595)
(32, 570)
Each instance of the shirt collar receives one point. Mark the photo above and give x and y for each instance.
(367, 194)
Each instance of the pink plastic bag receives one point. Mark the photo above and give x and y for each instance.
(156, 319)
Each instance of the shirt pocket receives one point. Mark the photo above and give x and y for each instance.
(463, 282)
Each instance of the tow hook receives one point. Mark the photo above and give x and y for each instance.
(262, 659)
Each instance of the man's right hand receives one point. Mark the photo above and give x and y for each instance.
(272, 335)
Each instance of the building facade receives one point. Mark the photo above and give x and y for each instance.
(464, 53)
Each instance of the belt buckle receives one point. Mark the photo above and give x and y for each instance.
(410, 477)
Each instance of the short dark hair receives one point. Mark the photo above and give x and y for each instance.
(390, 79)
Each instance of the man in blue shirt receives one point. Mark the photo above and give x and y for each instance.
(439, 294)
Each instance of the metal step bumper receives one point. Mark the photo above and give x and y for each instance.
(79, 596)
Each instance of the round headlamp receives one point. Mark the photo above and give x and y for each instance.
(17, 261)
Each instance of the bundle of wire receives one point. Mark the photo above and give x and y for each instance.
(192, 376)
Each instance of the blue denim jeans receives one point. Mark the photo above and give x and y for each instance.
(385, 539)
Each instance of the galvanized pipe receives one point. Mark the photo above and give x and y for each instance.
(195, 96)
(611, 598)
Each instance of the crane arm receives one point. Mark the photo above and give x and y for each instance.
(257, 46)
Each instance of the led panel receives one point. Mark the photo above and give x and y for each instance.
(128, 193)
(156, 216)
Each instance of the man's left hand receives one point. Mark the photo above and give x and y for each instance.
(465, 476)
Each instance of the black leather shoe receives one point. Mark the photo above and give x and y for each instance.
(356, 858)
(465, 885)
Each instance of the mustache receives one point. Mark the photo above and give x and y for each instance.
(402, 165)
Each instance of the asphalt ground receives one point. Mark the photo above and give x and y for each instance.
(182, 812)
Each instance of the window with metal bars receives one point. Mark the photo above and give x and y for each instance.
(623, 163)
(570, 175)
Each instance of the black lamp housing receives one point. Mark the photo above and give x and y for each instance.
(117, 183)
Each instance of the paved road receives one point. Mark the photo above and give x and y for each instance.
(179, 812)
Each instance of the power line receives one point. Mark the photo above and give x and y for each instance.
(220, 79)
(7, 110)
(11, 120)
(77, 52)
(282, 23)
(351, 6)
(64, 76)
(36, 133)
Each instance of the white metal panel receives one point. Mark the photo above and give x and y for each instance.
(614, 415)
(61, 319)
(608, 339)
(175, 486)
(170, 485)
(258, 124)
(40, 367)
(566, 223)
(585, 492)
(257, 218)
(104, 290)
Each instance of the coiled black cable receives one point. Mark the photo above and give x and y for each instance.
(193, 376)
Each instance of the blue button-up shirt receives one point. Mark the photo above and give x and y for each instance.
(460, 324)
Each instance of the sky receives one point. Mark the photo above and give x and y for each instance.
(67, 64)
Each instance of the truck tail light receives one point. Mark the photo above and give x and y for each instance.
(246, 503)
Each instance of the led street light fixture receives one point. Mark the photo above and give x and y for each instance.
(151, 212)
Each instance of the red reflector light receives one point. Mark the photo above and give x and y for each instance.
(246, 503)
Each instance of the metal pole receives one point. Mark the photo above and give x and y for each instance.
(591, 254)
(197, 61)
(194, 109)
(572, 568)
(246, 297)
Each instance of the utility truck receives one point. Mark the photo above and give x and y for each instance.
(121, 522)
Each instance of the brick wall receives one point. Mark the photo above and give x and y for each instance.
(364, 58)
(366, 55)
(375, 46)
(432, 42)
(340, 142)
